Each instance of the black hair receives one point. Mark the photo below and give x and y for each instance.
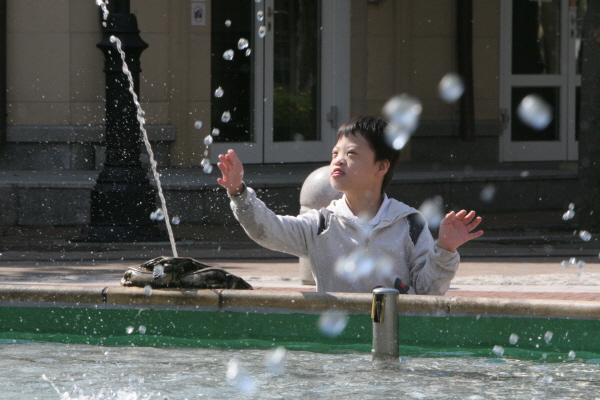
(372, 128)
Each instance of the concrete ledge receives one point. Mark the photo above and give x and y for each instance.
(356, 303)
(171, 297)
(537, 308)
(310, 302)
(54, 294)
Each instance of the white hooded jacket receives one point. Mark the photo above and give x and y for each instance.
(341, 252)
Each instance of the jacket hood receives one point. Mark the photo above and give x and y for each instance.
(397, 209)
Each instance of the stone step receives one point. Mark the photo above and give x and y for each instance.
(61, 198)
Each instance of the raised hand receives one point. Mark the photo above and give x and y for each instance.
(455, 229)
(233, 173)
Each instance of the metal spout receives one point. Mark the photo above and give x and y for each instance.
(384, 312)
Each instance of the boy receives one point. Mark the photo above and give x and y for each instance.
(364, 223)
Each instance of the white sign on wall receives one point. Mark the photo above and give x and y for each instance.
(198, 13)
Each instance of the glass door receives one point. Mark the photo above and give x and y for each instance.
(539, 56)
(296, 106)
(290, 94)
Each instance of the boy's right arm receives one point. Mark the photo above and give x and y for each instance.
(280, 233)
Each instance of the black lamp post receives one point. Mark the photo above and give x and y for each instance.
(123, 198)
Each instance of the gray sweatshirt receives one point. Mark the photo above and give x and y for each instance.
(347, 258)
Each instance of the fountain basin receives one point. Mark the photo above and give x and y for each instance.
(263, 319)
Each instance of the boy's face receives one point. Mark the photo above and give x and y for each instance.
(353, 168)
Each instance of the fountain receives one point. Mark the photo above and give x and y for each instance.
(176, 343)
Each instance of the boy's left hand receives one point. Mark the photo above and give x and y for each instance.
(455, 229)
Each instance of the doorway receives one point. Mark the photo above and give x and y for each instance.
(290, 92)
(540, 48)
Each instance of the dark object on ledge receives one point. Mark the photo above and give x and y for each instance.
(181, 272)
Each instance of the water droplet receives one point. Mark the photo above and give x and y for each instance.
(356, 266)
(332, 322)
(142, 330)
(581, 265)
(513, 339)
(228, 23)
(451, 87)
(298, 137)
(524, 174)
(215, 132)
(498, 350)
(129, 330)
(564, 264)
(208, 140)
(157, 215)
(242, 43)
(248, 52)
(488, 192)
(207, 169)
(572, 261)
(242, 381)
(535, 112)
(205, 162)
(548, 336)
(585, 236)
(433, 211)
(158, 271)
(572, 355)
(198, 124)
(568, 215)
(226, 116)
(260, 15)
(571, 206)
(104, 24)
(176, 220)
(228, 55)
(262, 31)
(148, 290)
(547, 379)
(275, 361)
(403, 113)
(219, 92)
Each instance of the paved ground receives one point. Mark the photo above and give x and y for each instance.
(503, 263)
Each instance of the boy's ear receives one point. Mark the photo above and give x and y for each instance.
(384, 166)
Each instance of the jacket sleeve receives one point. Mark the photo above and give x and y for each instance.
(431, 268)
(280, 233)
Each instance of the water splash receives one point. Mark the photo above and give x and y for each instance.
(451, 87)
(102, 5)
(433, 211)
(535, 112)
(242, 381)
(403, 113)
(498, 350)
(242, 43)
(275, 361)
(228, 55)
(262, 31)
(332, 322)
(142, 122)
